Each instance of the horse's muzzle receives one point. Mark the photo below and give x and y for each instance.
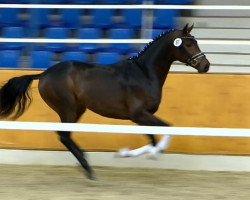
(203, 66)
(199, 62)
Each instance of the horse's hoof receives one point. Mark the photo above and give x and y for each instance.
(91, 176)
(122, 153)
(153, 153)
(152, 156)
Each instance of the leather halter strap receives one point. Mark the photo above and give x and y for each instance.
(193, 61)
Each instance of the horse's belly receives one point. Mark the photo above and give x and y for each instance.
(108, 105)
(110, 111)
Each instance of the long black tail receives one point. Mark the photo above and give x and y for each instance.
(15, 96)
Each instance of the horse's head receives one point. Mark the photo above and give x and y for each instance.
(186, 50)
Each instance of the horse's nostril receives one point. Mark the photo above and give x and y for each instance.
(206, 68)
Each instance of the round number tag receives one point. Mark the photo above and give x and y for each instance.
(177, 42)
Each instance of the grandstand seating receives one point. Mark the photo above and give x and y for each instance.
(44, 18)
(84, 1)
(40, 18)
(10, 58)
(13, 32)
(173, 2)
(132, 18)
(111, 2)
(75, 56)
(41, 59)
(70, 18)
(77, 23)
(121, 33)
(165, 19)
(134, 1)
(52, 2)
(102, 18)
(153, 33)
(9, 17)
(57, 33)
(107, 58)
(25, 1)
(89, 33)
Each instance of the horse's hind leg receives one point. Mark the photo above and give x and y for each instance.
(69, 113)
(65, 138)
(58, 95)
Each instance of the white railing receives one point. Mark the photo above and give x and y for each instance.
(115, 41)
(124, 129)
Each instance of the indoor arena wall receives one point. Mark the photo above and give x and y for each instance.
(189, 100)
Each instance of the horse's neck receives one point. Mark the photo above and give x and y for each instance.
(157, 62)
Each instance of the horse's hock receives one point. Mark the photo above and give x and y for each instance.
(207, 100)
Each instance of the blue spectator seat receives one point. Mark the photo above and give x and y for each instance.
(25, 1)
(165, 19)
(10, 58)
(121, 33)
(89, 33)
(132, 54)
(75, 56)
(70, 18)
(102, 18)
(83, 1)
(40, 18)
(107, 58)
(14, 1)
(134, 1)
(52, 2)
(10, 17)
(174, 2)
(153, 33)
(13, 32)
(111, 2)
(41, 59)
(157, 32)
(57, 33)
(132, 18)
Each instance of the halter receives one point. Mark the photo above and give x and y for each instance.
(194, 60)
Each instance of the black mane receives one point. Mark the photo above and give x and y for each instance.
(151, 42)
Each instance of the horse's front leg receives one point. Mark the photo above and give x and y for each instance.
(153, 151)
(160, 147)
(147, 119)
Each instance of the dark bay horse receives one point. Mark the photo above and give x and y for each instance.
(130, 89)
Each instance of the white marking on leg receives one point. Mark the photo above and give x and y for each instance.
(164, 142)
(151, 150)
(135, 152)
(161, 146)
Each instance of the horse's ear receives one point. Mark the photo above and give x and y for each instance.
(187, 30)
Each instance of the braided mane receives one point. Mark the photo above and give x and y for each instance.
(151, 42)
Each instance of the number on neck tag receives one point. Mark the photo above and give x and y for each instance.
(177, 42)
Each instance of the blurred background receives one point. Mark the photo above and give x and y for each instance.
(213, 25)
(80, 24)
